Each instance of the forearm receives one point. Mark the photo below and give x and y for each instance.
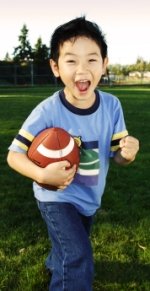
(21, 163)
(56, 174)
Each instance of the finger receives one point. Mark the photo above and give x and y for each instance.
(64, 164)
(126, 141)
(122, 142)
(72, 169)
(68, 182)
(127, 155)
(62, 187)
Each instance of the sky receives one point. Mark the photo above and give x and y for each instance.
(126, 24)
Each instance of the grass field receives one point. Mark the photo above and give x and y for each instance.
(121, 232)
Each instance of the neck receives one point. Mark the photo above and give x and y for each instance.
(82, 103)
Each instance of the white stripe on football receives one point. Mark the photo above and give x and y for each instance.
(55, 154)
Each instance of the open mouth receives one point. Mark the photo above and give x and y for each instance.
(83, 85)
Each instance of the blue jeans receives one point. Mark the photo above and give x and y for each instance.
(70, 259)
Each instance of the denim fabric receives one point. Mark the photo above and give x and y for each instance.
(70, 259)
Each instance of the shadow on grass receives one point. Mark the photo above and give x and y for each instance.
(122, 273)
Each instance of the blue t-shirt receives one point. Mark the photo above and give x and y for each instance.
(99, 129)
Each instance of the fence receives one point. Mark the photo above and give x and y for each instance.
(41, 74)
(26, 74)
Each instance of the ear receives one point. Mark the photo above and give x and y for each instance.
(54, 68)
(105, 63)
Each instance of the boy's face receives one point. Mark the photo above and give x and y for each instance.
(80, 67)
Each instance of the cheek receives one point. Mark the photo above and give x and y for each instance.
(97, 72)
(66, 72)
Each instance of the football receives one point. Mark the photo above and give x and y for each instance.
(53, 145)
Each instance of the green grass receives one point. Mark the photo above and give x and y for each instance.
(121, 232)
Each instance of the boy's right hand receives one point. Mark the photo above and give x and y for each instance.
(58, 174)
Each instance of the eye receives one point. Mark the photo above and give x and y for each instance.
(70, 61)
(92, 60)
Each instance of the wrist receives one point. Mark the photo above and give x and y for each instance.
(39, 175)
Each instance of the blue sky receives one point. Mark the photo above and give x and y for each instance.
(126, 24)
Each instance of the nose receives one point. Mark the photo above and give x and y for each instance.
(82, 68)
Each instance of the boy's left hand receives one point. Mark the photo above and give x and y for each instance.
(129, 147)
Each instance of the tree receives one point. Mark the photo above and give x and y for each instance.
(115, 69)
(41, 52)
(7, 58)
(23, 53)
(140, 64)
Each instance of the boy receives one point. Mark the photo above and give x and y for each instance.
(95, 118)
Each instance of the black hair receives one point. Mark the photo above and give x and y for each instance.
(73, 29)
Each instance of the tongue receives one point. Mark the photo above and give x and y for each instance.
(82, 86)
